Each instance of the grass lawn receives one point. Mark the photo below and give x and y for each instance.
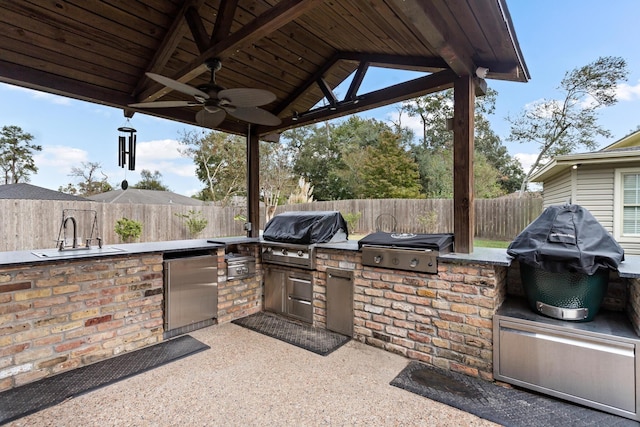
(490, 243)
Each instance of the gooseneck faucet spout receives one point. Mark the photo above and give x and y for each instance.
(75, 231)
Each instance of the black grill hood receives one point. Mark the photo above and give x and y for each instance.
(306, 227)
(564, 239)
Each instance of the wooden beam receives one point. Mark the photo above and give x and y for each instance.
(253, 182)
(170, 42)
(272, 20)
(327, 91)
(358, 77)
(463, 200)
(198, 31)
(406, 62)
(222, 27)
(401, 92)
(304, 86)
(427, 22)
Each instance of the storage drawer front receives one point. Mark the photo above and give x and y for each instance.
(586, 367)
(300, 309)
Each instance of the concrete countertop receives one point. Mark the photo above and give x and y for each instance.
(173, 246)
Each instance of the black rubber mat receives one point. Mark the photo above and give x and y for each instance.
(506, 406)
(319, 341)
(30, 398)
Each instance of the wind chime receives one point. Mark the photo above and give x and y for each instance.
(126, 150)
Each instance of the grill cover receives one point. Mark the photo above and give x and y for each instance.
(436, 242)
(567, 238)
(306, 227)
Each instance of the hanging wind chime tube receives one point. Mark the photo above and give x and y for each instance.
(127, 147)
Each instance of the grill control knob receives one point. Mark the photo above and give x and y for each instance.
(414, 263)
(377, 259)
(269, 250)
(300, 253)
(284, 252)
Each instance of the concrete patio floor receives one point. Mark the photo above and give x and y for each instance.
(248, 379)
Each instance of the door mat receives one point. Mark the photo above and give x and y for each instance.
(506, 406)
(27, 399)
(316, 340)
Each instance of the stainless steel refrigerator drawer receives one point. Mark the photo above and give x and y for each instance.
(593, 369)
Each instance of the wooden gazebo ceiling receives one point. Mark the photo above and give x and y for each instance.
(300, 50)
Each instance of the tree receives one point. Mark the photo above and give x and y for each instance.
(561, 126)
(16, 155)
(277, 181)
(220, 161)
(388, 171)
(434, 150)
(149, 181)
(89, 184)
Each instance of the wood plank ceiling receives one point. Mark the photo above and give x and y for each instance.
(301, 50)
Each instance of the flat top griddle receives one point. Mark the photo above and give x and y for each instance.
(437, 242)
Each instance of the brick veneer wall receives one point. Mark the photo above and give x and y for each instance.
(633, 308)
(242, 297)
(443, 319)
(58, 316)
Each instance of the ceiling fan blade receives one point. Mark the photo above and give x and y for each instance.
(165, 104)
(176, 85)
(255, 115)
(210, 120)
(247, 97)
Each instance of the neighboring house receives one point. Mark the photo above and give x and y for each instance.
(146, 197)
(606, 182)
(31, 192)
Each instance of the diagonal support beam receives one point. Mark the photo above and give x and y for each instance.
(170, 42)
(222, 27)
(272, 20)
(198, 31)
(357, 81)
(327, 92)
(401, 92)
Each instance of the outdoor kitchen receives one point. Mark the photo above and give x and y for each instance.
(408, 294)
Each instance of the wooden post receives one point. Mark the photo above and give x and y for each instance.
(463, 202)
(253, 183)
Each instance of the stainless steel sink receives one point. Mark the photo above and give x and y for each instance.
(75, 253)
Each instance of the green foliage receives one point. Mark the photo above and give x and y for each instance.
(388, 171)
(194, 221)
(16, 155)
(150, 181)
(220, 161)
(560, 127)
(352, 219)
(429, 221)
(128, 229)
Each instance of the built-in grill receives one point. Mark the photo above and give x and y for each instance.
(405, 251)
(288, 255)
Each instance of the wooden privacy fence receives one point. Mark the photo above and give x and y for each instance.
(34, 224)
(496, 219)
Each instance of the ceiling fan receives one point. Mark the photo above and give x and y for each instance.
(217, 102)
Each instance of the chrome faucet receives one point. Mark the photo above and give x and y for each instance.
(75, 232)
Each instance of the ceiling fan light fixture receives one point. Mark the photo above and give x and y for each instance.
(212, 108)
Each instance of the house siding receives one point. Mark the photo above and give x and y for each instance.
(594, 191)
(557, 191)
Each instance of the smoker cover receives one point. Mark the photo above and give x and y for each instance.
(567, 238)
(305, 227)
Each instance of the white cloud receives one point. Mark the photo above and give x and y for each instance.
(526, 160)
(626, 92)
(35, 94)
(60, 156)
(164, 149)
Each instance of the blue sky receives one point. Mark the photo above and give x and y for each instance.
(555, 37)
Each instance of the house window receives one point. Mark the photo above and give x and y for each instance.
(627, 203)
